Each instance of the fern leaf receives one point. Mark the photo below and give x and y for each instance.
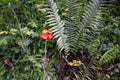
(88, 23)
(57, 25)
(109, 55)
(71, 20)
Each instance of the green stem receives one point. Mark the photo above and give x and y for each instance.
(44, 66)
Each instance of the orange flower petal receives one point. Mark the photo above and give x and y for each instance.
(50, 32)
(50, 36)
(46, 34)
(45, 31)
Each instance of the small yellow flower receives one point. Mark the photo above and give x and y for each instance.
(79, 62)
(75, 63)
(97, 57)
(17, 0)
(14, 17)
(70, 63)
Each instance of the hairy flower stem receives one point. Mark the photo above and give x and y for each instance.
(44, 66)
(45, 51)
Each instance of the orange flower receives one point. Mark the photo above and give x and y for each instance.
(6, 61)
(46, 34)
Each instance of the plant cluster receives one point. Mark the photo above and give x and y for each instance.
(59, 40)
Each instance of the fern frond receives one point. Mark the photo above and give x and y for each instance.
(71, 18)
(76, 30)
(109, 55)
(57, 25)
(88, 23)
